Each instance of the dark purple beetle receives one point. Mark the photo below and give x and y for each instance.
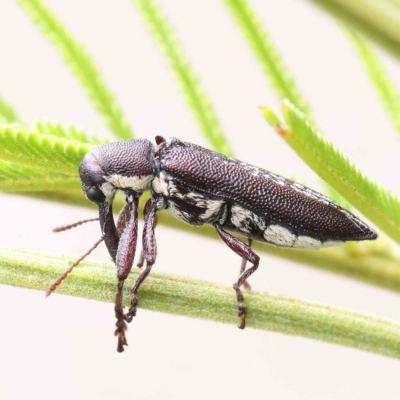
(200, 186)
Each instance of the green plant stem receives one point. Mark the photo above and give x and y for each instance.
(199, 299)
(378, 19)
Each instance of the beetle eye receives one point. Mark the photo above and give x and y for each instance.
(95, 194)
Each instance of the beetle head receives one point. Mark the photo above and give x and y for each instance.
(126, 166)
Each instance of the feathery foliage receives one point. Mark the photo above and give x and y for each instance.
(376, 202)
(190, 84)
(41, 151)
(384, 86)
(81, 66)
(177, 295)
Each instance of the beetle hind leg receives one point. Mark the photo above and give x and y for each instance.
(247, 254)
(246, 284)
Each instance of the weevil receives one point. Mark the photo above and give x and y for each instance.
(200, 186)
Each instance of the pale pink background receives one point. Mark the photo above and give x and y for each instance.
(64, 348)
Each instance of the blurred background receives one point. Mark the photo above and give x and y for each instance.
(64, 348)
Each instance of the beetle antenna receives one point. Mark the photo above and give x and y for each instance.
(53, 287)
(74, 225)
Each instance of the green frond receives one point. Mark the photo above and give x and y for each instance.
(377, 203)
(190, 84)
(81, 66)
(199, 299)
(377, 19)
(379, 77)
(7, 113)
(41, 151)
(17, 178)
(266, 53)
(68, 132)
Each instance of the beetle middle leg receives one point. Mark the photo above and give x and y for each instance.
(149, 251)
(246, 253)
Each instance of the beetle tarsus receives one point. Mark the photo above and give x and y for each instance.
(119, 314)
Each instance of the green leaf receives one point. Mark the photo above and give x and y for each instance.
(377, 19)
(16, 178)
(199, 299)
(266, 53)
(190, 84)
(384, 86)
(41, 151)
(69, 132)
(377, 203)
(81, 66)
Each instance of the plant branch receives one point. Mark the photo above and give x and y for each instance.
(199, 299)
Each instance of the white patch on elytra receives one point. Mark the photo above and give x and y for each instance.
(137, 183)
(242, 219)
(279, 236)
(330, 243)
(306, 242)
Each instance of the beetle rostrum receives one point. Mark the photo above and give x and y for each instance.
(200, 186)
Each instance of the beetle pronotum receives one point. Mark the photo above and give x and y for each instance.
(200, 186)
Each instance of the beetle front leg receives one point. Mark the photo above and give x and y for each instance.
(246, 253)
(149, 251)
(124, 260)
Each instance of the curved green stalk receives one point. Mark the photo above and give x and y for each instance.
(81, 66)
(266, 53)
(377, 203)
(377, 19)
(199, 299)
(378, 76)
(191, 87)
